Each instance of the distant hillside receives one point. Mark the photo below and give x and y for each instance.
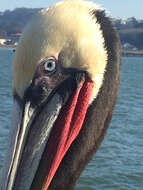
(130, 31)
(13, 22)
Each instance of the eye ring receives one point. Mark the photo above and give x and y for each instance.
(50, 65)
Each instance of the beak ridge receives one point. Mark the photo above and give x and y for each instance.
(26, 146)
(11, 147)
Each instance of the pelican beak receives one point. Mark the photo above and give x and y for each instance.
(41, 135)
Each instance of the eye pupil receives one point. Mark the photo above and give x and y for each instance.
(49, 65)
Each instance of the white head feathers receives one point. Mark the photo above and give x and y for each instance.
(68, 28)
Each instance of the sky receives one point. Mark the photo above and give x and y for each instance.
(116, 8)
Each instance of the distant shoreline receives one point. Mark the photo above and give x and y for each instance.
(132, 53)
(7, 46)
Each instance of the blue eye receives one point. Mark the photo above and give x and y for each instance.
(50, 65)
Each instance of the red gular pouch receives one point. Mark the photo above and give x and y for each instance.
(67, 128)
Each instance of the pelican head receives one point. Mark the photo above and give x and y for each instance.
(65, 81)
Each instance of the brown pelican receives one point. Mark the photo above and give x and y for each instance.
(66, 75)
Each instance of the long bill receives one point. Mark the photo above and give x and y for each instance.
(40, 138)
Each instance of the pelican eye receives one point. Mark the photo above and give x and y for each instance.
(50, 65)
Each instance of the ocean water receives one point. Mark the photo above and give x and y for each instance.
(118, 164)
